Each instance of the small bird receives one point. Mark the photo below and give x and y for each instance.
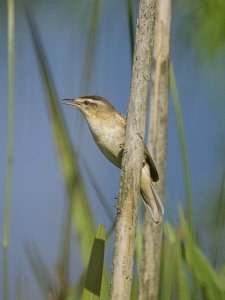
(108, 128)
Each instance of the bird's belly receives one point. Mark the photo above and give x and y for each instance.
(111, 145)
(114, 154)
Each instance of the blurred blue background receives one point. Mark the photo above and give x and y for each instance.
(38, 194)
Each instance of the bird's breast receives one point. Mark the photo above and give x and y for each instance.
(110, 140)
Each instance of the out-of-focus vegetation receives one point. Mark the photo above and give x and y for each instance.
(79, 212)
(205, 25)
(92, 285)
(8, 185)
(186, 271)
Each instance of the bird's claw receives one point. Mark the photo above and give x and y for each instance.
(117, 206)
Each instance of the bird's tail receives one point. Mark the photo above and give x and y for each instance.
(153, 203)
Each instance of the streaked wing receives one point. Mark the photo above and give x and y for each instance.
(150, 162)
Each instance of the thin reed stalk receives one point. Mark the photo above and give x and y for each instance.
(157, 141)
(8, 188)
(133, 154)
(180, 126)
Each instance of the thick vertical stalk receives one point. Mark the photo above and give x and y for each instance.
(133, 154)
(152, 237)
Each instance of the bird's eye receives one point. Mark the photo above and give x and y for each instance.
(86, 102)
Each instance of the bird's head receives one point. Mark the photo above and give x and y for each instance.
(91, 106)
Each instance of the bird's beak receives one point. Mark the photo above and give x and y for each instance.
(72, 102)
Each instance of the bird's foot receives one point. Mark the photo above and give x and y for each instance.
(117, 206)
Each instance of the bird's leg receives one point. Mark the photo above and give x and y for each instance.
(122, 148)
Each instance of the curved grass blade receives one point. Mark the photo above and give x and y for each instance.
(219, 223)
(177, 270)
(211, 283)
(77, 290)
(183, 146)
(88, 61)
(79, 206)
(38, 266)
(98, 191)
(167, 273)
(92, 286)
(130, 27)
(91, 42)
(79, 210)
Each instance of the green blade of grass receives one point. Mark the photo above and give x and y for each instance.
(20, 291)
(42, 275)
(79, 211)
(183, 287)
(183, 282)
(101, 197)
(8, 189)
(130, 26)
(200, 267)
(167, 270)
(65, 244)
(88, 62)
(77, 290)
(222, 273)
(5, 273)
(138, 245)
(219, 223)
(91, 41)
(183, 147)
(93, 281)
(137, 261)
(10, 119)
